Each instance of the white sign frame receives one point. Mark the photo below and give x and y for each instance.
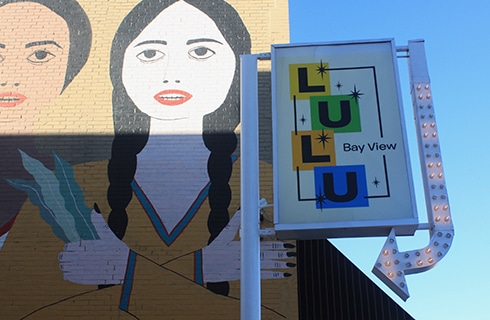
(376, 145)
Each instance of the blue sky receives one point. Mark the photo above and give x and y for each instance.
(457, 46)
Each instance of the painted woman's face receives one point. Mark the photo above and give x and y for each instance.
(180, 66)
(34, 45)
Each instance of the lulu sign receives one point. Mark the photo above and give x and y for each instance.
(341, 164)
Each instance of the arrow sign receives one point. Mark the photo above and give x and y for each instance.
(392, 265)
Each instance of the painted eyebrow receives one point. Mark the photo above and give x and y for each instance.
(41, 43)
(191, 41)
(152, 41)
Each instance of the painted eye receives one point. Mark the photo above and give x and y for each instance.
(201, 53)
(150, 56)
(40, 56)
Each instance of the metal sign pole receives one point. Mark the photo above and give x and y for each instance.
(249, 153)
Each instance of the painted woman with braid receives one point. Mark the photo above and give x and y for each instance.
(175, 105)
(173, 179)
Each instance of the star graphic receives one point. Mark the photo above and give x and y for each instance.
(376, 182)
(339, 85)
(323, 138)
(321, 199)
(356, 94)
(303, 119)
(321, 69)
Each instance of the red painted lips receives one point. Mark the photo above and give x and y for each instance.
(172, 97)
(11, 99)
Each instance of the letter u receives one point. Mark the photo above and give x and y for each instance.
(329, 187)
(345, 114)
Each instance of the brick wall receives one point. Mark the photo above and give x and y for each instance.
(58, 259)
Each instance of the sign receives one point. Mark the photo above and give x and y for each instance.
(341, 163)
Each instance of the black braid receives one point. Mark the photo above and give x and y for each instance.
(121, 170)
(220, 167)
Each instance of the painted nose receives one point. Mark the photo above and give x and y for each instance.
(176, 81)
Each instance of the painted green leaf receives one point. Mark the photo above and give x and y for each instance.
(74, 199)
(34, 193)
(50, 191)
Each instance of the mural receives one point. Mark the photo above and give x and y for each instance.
(43, 46)
(150, 232)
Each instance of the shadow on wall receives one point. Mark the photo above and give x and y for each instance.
(74, 149)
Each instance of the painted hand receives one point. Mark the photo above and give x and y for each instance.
(100, 261)
(221, 259)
